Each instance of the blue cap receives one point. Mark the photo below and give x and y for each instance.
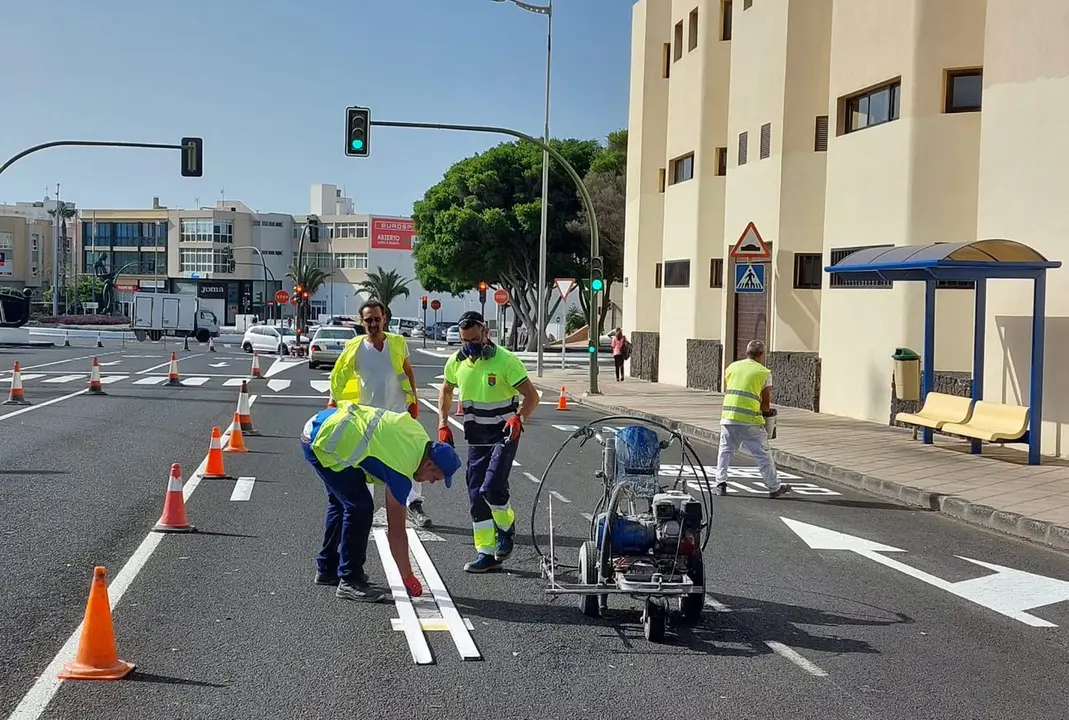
(445, 457)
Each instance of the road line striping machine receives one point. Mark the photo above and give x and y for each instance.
(652, 552)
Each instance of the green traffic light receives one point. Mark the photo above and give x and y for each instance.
(358, 144)
(591, 349)
(597, 285)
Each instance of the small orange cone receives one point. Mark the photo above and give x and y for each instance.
(95, 388)
(174, 517)
(214, 468)
(15, 395)
(245, 410)
(562, 404)
(172, 373)
(236, 442)
(255, 372)
(97, 657)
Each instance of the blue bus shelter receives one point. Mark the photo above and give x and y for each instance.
(977, 262)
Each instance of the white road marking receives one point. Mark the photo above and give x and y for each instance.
(429, 624)
(280, 365)
(219, 364)
(320, 385)
(234, 382)
(156, 380)
(560, 497)
(74, 359)
(242, 489)
(109, 379)
(452, 420)
(46, 403)
(146, 371)
(417, 641)
(461, 637)
(109, 364)
(36, 700)
(278, 385)
(63, 379)
(789, 654)
(25, 376)
(587, 516)
(195, 381)
(379, 520)
(532, 478)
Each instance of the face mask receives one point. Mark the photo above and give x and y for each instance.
(473, 350)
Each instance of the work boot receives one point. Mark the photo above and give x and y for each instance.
(417, 515)
(359, 590)
(780, 491)
(483, 562)
(332, 579)
(722, 489)
(505, 542)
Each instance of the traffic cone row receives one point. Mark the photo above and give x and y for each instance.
(236, 442)
(174, 517)
(244, 411)
(15, 395)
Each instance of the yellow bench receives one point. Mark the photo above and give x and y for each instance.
(993, 422)
(939, 410)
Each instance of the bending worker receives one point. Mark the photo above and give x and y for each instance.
(747, 402)
(490, 380)
(350, 446)
(376, 370)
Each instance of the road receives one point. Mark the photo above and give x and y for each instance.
(226, 623)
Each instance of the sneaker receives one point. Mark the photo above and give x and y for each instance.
(326, 579)
(722, 489)
(505, 542)
(417, 516)
(483, 562)
(779, 492)
(359, 591)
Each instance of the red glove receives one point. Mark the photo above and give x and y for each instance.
(413, 410)
(445, 435)
(412, 584)
(514, 426)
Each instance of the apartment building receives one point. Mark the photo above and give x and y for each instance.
(809, 129)
(25, 253)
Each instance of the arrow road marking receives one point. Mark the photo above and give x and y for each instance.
(278, 385)
(321, 386)
(1008, 592)
(281, 364)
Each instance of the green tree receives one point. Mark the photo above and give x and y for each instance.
(482, 222)
(311, 278)
(384, 286)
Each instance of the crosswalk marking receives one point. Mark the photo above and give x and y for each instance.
(25, 377)
(151, 380)
(195, 381)
(63, 379)
(109, 379)
(320, 385)
(233, 382)
(278, 385)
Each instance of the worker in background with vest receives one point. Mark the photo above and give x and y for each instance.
(376, 370)
(490, 380)
(747, 402)
(350, 446)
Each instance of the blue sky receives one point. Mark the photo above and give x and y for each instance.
(266, 83)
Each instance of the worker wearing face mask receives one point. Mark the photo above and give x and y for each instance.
(490, 380)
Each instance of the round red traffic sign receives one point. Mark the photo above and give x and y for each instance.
(436, 305)
(501, 296)
(282, 297)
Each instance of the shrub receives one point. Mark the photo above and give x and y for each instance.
(86, 320)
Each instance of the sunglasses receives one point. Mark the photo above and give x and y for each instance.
(469, 324)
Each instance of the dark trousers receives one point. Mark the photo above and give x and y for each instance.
(350, 513)
(488, 478)
(618, 364)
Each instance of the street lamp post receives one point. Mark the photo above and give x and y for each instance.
(543, 244)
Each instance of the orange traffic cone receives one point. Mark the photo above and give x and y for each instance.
(236, 442)
(15, 395)
(255, 372)
(213, 469)
(97, 657)
(562, 404)
(95, 388)
(174, 517)
(245, 410)
(172, 373)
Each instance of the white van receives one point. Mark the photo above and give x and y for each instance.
(404, 326)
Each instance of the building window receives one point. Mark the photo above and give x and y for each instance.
(657, 276)
(716, 273)
(820, 134)
(202, 260)
(747, 4)
(964, 90)
(661, 180)
(678, 53)
(807, 271)
(845, 281)
(874, 107)
(722, 161)
(743, 146)
(666, 61)
(692, 39)
(677, 273)
(725, 20)
(683, 168)
(766, 140)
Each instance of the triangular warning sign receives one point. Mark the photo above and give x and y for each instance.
(750, 245)
(749, 280)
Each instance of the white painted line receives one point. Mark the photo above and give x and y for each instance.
(109, 364)
(320, 385)
(195, 381)
(461, 637)
(278, 385)
(25, 376)
(109, 379)
(234, 382)
(74, 359)
(587, 516)
(46, 403)
(560, 497)
(452, 420)
(417, 641)
(428, 624)
(532, 478)
(151, 380)
(715, 604)
(146, 371)
(242, 489)
(281, 365)
(789, 654)
(515, 464)
(63, 379)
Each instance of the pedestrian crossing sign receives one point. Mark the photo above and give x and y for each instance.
(749, 278)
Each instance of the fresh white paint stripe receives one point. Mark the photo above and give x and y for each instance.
(151, 380)
(243, 489)
(452, 420)
(715, 604)
(789, 654)
(36, 700)
(560, 497)
(109, 379)
(278, 385)
(25, 376)
(75, 359)
(417, 641)
(461, 637)
(532, 478)
(195, 381)
(515, 464)
(63, 379)
(46, 403)
(167, 364)
(320, 385)
(233, 382)
(280, 365)
(587, 516)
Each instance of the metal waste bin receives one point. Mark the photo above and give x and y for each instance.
(907, 374)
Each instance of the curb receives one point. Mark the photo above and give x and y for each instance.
(31, 345)
(1004, 521)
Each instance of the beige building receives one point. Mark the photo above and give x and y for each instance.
(25, 253)
(834, 125)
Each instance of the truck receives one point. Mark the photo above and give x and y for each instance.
(14, 307)
(174, 315)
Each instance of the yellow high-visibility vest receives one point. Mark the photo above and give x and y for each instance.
(345, 382)
(743, 382)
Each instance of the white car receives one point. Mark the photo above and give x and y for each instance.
(269, 338)
(452, 335)
(327, 344)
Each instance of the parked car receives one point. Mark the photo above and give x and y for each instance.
(327, 344)
(452, 335)
(270, 338)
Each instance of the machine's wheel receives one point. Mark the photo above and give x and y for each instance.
(588, 575)
(203, 335)
(691, 606)
(312, 365)
(246, 347)
(655, 619)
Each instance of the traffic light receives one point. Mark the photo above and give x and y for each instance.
(423, 301)
(597, 275)
(228, 253)
(313, 229)
(192, 157)
(357, 132)
(482, 292)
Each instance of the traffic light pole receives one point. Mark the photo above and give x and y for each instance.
(588, 205)
(85, 143)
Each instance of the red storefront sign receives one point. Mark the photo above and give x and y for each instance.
(392, 233)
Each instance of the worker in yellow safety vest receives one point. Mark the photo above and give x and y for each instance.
(351, 446)
(747, 402)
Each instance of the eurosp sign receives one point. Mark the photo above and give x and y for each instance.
(392, 233)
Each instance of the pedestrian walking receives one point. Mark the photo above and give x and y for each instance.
(621, 351)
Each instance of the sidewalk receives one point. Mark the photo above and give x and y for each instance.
(997, 490)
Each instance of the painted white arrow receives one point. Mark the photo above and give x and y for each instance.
(219, 364)
(278, 385)
(1008, 592)
(280, 365)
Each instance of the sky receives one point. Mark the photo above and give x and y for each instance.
(266, 84)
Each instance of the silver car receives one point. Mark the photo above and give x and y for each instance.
(327, 344)
(452, 335)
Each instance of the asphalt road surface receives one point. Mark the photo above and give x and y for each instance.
(886, 619)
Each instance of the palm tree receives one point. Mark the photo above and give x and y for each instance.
(310, 278)
(384, 286)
